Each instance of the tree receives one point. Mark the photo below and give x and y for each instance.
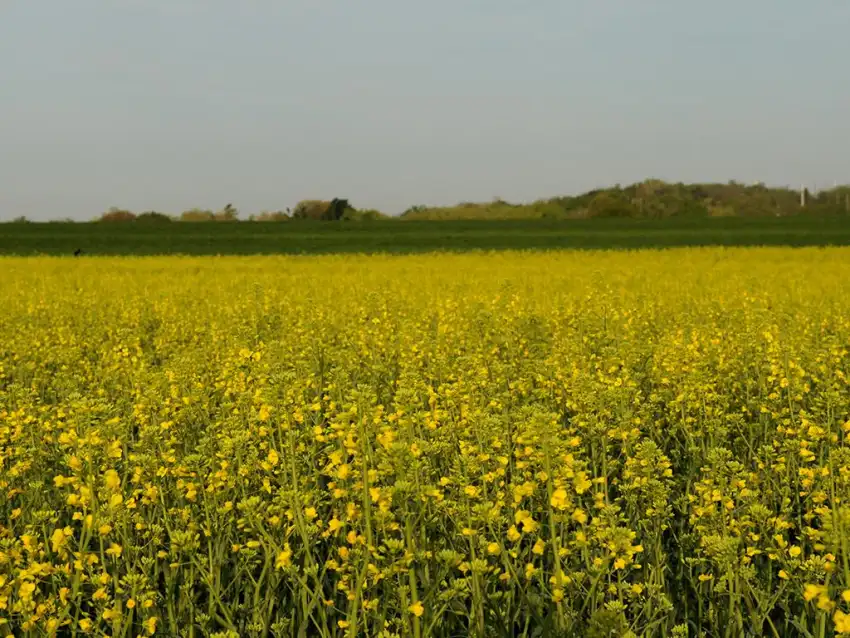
(611, 205)
(336, 209)
(153, 216)
(197, 215)
(227, 214)
(267, 216)
(116, 214)
(361, 215)
(418, 209)
(319, 209)
(310, 209)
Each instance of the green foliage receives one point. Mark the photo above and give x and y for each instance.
(371, 214)
(337, 209)
(610, 204)
(653, 199)
(496, 209)
(321, 210)
(394, 236)
(414, 210)
(116, 214)
(311, 209)
(197, 215)
(268, 216)
(153, 217)
(227, 214)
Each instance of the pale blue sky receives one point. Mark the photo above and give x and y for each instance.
(171, 104)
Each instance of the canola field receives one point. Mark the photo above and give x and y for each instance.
(647, 443)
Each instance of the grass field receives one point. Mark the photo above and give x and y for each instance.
(581, 444)
(397, 236)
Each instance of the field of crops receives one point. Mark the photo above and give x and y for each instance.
(404, 236)
(586, 444)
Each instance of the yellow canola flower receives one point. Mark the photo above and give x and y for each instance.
(582, 483)
(59, 539)
(112, 480)
(26, 590)
(810, 592)
(842, 622)
(559, 499)
(150, 625)
(284, 558)
(390, 401)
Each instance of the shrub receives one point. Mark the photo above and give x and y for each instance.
(197, 215)
(115, 214)
(153, 216)
(267, 216)
(610, 205)
(318, 209)
(310, 209)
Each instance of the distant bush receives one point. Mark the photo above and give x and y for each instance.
(310, 209)
(611, 205)
(153, 217)
(317, 209)
(496, 209)
(650, 199)
(414, 210)
(197, 215)
(654, 199)
(267, 216)
(718, 210)
(227, 214)
(115, 214)
(364, 215)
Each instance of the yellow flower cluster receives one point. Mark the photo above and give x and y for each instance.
(563, 443)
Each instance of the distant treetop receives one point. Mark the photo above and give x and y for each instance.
(650, 199)
(655, 198)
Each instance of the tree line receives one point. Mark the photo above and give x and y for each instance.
(651, 199)
(314, 209)
(657, 199)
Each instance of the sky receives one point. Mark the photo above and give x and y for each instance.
(172, 104)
